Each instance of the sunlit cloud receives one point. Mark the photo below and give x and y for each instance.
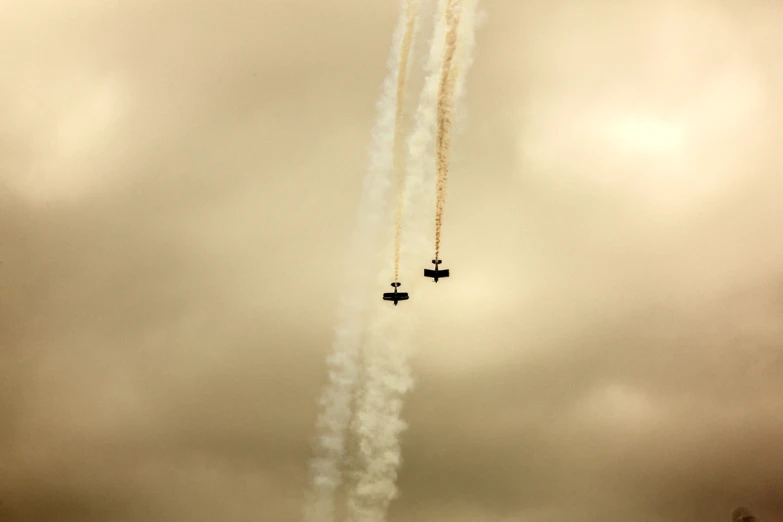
(668, 128)
(79, 126)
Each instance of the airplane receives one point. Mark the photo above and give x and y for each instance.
(394, 296)
(435, 274)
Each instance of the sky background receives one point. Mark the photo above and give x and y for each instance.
(178, 186)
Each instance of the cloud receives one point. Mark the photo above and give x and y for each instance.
(178, 191)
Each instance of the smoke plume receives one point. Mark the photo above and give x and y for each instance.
(336, 399)
(412, 16)
(445, 107)
(387, 377)
(384, 373)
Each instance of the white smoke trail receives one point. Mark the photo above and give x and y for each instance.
(377, 422)
(387, 376)
(470, 20)
(336, 399)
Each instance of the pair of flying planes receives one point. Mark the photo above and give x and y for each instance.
(403, 296)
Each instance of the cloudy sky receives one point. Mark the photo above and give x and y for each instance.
(178, 185)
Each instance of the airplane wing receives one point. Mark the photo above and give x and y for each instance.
(443, 273)
(429, 273)
(438, 274)
(402, 296)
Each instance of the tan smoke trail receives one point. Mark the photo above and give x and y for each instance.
(445, 107)
(412, 15)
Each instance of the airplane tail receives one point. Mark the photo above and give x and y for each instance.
(437, 261)
(395, 284)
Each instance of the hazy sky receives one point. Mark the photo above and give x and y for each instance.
(179, 183)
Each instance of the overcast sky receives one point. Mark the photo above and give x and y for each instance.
(178, 190)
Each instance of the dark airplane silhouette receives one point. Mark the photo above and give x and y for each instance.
(394, 296)
(435, 274)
